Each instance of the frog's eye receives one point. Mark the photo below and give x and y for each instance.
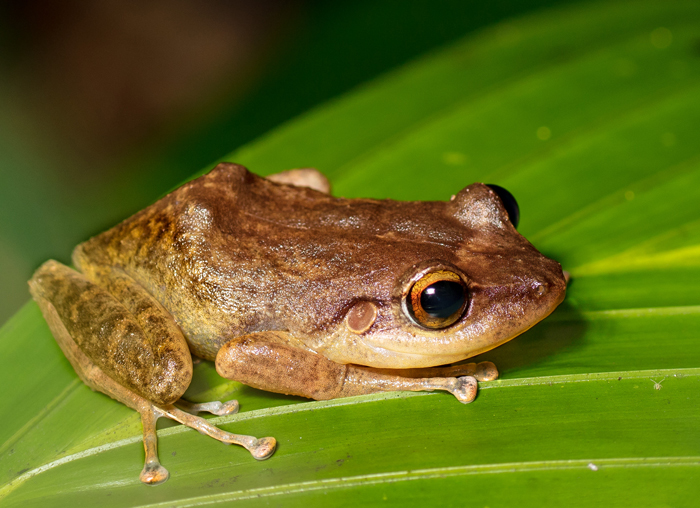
(438, 299)
(509, 203)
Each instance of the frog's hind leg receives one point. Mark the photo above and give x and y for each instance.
(119, 326)
(122, 343)
(153, 473)
(263, 360)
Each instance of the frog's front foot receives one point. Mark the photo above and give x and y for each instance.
(465, 389)
(486, 371)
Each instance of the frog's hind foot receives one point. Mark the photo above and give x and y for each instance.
(154, 473)
(260, 449)
(216, 407)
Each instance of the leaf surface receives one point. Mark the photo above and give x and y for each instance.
(589, 116)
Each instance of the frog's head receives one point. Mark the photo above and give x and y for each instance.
(454, 300)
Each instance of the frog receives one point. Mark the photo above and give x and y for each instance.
(289, 289)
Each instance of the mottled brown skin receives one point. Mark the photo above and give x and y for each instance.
(291, 290)
(230, 254)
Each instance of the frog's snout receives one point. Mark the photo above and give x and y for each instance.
(542, 289)
(550, 290)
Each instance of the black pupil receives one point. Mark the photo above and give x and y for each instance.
(442, 298)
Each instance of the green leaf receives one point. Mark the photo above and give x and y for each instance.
(589, 115)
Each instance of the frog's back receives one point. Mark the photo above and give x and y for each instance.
(231, 253)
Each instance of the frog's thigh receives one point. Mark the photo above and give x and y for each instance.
(262, 361)
(153, 473)
(305, 177)
(135, 343)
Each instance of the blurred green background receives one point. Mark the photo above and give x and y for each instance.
(107, 105)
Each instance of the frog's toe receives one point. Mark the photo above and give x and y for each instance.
(228, 408)
(465, 391)
(263, 448)
(259, 448)
(153, 473)
(486, 371)
(215, 407)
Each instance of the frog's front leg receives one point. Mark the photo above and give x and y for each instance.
(263, 360)
(121, 342)
(482, 371)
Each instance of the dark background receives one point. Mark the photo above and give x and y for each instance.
(104, 106)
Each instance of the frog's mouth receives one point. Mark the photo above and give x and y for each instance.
(495, 316)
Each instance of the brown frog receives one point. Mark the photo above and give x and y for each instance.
(291, 290)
